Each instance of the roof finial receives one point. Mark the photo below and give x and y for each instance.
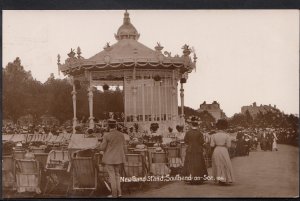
(126, 18)
(186, 50)
(79, 52)
(71, 54)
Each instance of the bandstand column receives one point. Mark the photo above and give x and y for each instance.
(91, 118)
(134, 90)
(166, 98)
(182, 100)
(74, 107)
(159, 100)
(143, 98)
(174, 97)
(152, 100)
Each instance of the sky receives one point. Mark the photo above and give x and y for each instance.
(244, 56)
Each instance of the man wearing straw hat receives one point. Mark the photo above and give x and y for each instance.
(113, 145)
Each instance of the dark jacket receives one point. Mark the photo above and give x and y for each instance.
(194, 139)
(194, 163)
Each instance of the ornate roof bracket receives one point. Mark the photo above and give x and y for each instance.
(158, 47)
(107, 47)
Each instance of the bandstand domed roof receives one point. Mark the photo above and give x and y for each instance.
(127, 30)
(126, 53)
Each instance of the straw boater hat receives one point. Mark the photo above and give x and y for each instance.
(19, 144)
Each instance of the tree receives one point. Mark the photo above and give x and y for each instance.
(206, 118)
(248, 119)
(238, 120)
(16, 91)
(59, 102)
(293, 121)
(188, 112)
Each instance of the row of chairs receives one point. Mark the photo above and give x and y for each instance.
(47, 170)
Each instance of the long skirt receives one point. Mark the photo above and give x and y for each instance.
(194, 165)
(240, 148)
(221, 165)
(274, 145)
(263, 145)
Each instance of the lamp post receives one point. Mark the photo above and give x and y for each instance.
(182, 81)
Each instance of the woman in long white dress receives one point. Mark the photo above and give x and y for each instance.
(274, 145)
(222, 170)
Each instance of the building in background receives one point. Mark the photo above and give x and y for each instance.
(214, 109)
(254, 109)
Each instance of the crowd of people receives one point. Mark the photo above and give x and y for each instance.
(267, 138)
(217, 144)
(80, 128)
(205, 148)
(12, 128)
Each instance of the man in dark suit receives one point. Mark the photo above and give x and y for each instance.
(113, 145)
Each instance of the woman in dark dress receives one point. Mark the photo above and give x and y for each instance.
(240, 144)
(194, 163)
(263, 141)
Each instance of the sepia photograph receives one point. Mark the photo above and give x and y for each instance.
(150, 103)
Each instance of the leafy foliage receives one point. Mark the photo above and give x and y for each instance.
(265, 120)
(188, 111)
(24, 95)
(207, 119)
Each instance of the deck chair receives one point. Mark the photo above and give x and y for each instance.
(28, 175)
(173, 156)
(19, 154)
(84, 173)
(42, 159)
(159, 164)
(134, 165)
(7, 172)
(58, 171)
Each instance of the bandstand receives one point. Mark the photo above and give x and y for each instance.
(149, 78)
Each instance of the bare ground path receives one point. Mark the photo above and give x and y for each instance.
(262, 174)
